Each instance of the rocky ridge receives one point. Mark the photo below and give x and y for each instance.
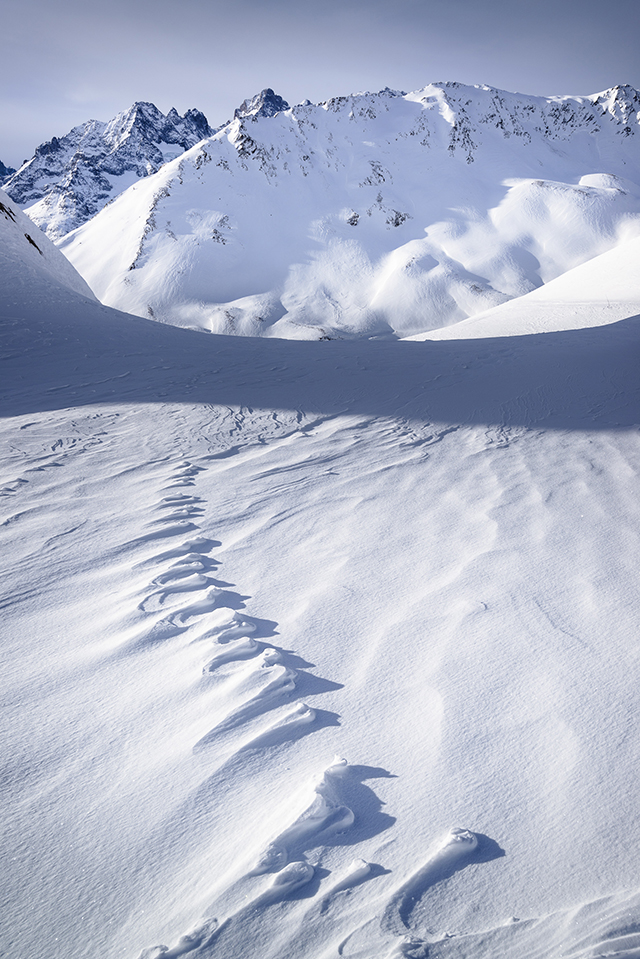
(5, 172)
(70, 178)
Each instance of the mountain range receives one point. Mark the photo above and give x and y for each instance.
(383, 214)
(378, 214)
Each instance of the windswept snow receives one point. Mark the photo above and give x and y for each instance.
(371, 215)
(315, 649)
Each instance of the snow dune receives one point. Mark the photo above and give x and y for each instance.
(315, 649)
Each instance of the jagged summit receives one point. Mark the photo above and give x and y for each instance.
(70, 178)
(264, 104)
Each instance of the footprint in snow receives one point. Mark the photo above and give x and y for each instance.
(196, 545)
(200, 936)
(188, 583)
(184, 513)
(179, 499)
(243, 648)
(184, 475)
(177, 528)
(283, 728)
(293, 877)
(264, 685)
(358, 871)
(224, 625)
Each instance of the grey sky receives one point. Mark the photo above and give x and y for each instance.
(66, 61)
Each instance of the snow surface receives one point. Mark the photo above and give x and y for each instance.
(315, 649)
(381, 214)
(600, 291)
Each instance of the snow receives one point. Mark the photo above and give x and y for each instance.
(384, 214)
(600, 291)
(317, 648)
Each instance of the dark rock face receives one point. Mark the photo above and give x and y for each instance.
(5, 171)
(68, 177)
(264, 104)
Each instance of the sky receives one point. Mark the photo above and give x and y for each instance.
(67, 61)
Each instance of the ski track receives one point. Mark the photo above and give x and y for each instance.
(317, 871)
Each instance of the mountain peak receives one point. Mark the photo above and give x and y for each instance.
(264, 104)
(70, 178)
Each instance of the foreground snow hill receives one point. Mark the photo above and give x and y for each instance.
(70, 178)
(31, 264)
(314, 649)
(371, 215)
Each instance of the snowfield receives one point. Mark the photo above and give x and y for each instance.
(318, 649)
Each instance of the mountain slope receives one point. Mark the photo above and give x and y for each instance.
(30, 261)
(377, 214)
(72, 177)
(598, 292)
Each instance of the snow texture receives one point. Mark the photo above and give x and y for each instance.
(373, 215)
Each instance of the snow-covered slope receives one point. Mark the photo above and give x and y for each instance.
(30, 262)
(375, 214)
(595, 293)
(70, 178)
(226, 560)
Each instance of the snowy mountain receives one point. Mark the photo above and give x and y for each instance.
(228, 562)
(264, 104)
(72, 177)
(383, 214)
